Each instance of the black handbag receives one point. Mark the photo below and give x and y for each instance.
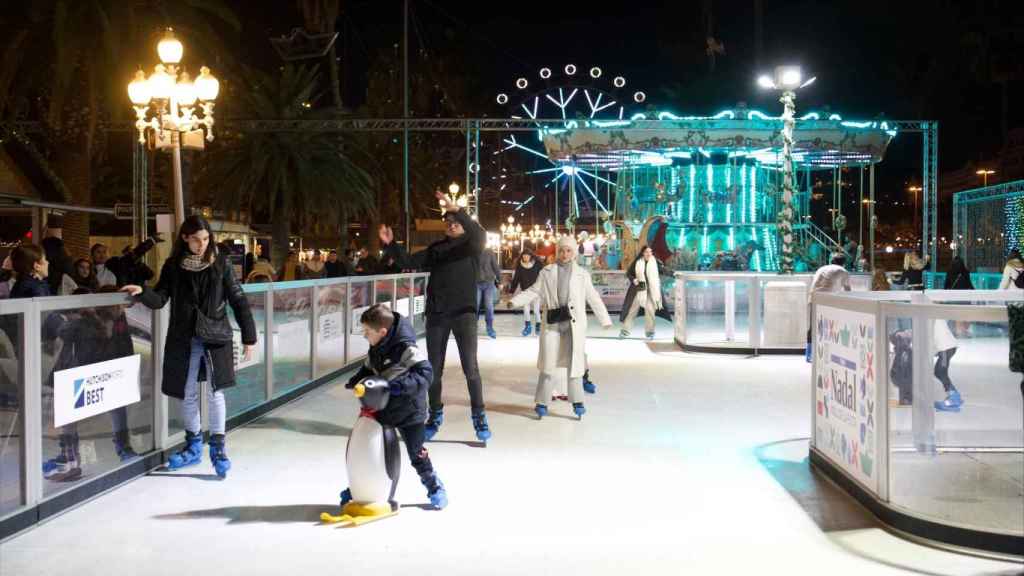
(559, 315)
(216, 330)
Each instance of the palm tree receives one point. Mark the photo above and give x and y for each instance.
(321, 16)
(297, 177)
(81, 58)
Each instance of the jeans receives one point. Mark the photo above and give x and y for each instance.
(535, 307)
(190, 405)
(439, 328)
(485, 291)
(418, 455)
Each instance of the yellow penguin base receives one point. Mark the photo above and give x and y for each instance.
(357, 514)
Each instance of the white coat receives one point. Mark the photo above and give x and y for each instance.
(581, 293)
(647, 271)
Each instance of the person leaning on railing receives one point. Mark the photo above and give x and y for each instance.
(199, 282)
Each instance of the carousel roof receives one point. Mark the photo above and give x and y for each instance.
(730, 136)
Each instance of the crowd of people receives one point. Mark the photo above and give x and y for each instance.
(257, 267)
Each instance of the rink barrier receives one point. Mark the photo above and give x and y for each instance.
(896, 457)
(26, 498)
(721, 296)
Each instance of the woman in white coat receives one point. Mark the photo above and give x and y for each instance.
(644, 290)
(564, 290)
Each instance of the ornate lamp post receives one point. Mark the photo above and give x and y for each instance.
(165, 103)
(788, 79)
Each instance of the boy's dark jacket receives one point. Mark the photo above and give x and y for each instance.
(398, 360)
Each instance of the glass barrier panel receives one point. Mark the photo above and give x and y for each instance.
(250, 387)
(385, 292)
(11, 414)
(784, 313)
(716, 312)
(971, 405)
(293, 343)
(359, 301)
(612, 287)
(97, 395)
(419, 304)
(330, 328)
(403, 297)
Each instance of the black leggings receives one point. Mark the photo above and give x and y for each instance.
(439, 328)
(942, 369)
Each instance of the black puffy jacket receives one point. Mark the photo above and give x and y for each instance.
(397, 359)
(187, 291)
(453, 265)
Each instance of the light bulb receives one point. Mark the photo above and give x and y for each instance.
(138, 89)
(170, 48)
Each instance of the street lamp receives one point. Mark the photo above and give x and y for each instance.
(915, 190)
(787, 79)
(984, 173)
(453, 195)
(171, 98)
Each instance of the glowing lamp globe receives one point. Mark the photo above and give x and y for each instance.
(170, 48)
(138, 89)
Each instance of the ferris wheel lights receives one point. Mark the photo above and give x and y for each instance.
(639, 97)
(619, 82)
(570, 69)
(522, 83)
(595, 72)
(545, 73)
(502, 99)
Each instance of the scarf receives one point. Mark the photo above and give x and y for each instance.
(194, 263)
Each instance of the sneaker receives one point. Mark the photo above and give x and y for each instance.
(483, 431)
(541, 410)
(345, 496)
(123, 446)
(650, 335)
(61, 469)
(433, 423)
(952, 403)
(809, 353)
(537, 328)
(493, 335)
(579, 409)
(588, 386)
(623, 334)
(528, 329)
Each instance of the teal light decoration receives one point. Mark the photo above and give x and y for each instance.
(691, 181)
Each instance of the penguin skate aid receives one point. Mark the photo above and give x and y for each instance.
(564, 290)
(392, 390)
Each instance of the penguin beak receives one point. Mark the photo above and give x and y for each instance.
(360, 391)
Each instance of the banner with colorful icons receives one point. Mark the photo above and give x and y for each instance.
(845, 385)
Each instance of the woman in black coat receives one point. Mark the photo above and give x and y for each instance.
(199, 282)
(958, 277)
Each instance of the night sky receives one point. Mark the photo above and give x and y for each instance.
(900, 60)
(897, 59)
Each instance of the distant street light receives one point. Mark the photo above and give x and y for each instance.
(984, 173)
